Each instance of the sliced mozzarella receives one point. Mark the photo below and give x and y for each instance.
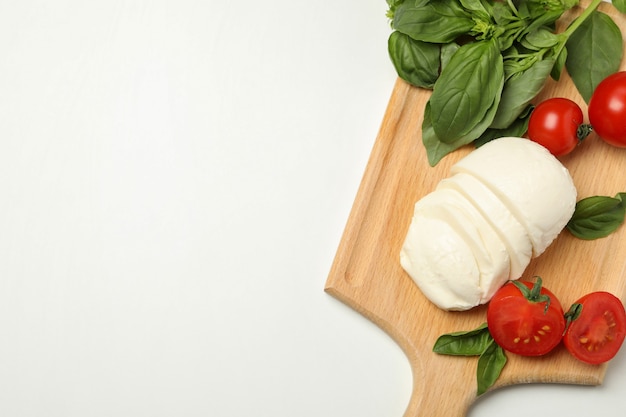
(488, 251)
(530, 181)
(502, 221)
(434, 264)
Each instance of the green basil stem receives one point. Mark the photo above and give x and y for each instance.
(513, 8)
(584, 15)
(577, 22)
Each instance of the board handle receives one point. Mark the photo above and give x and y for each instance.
(443, 386)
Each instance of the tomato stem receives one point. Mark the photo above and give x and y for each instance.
(534, 294)
(583, 131)
(572, 314)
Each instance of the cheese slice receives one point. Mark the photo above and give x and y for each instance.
(465, 226)
(500, 218)
(434, 264)
(530, 181)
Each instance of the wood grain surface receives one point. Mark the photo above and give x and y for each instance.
(367, 276)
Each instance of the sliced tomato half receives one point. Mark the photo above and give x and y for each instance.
(597, 329)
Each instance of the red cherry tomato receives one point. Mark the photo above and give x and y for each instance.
(525, 319)
(557, 124)
(607, 109)
(597, 334)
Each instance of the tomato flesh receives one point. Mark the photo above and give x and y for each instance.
(597, 334)
(607, 109)
(525, 327)
(555, 124)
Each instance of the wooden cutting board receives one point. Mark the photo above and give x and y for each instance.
(366, 274)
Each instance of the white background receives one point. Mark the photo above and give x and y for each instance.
(175, 177)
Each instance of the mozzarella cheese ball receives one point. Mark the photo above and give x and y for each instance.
(503, 205)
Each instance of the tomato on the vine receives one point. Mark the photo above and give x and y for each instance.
(525, 318)
(607, 109)
(557, 124)
(597, 329)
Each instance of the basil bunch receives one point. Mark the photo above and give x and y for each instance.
(477, 342)
(486, 60)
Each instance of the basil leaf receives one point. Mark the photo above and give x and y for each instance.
(470, 343)
(594, 52)
(447, 52)
(597, 217)
(437, 149)
(439, 21)
(477, 8)
(518, 92)
(507, 39)
(477, 342)
(518, 128)
(416, 62)
(466, 89)
(490, 365)
(540, 39)
(502, 14)
(545, 18)
(542, 13)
